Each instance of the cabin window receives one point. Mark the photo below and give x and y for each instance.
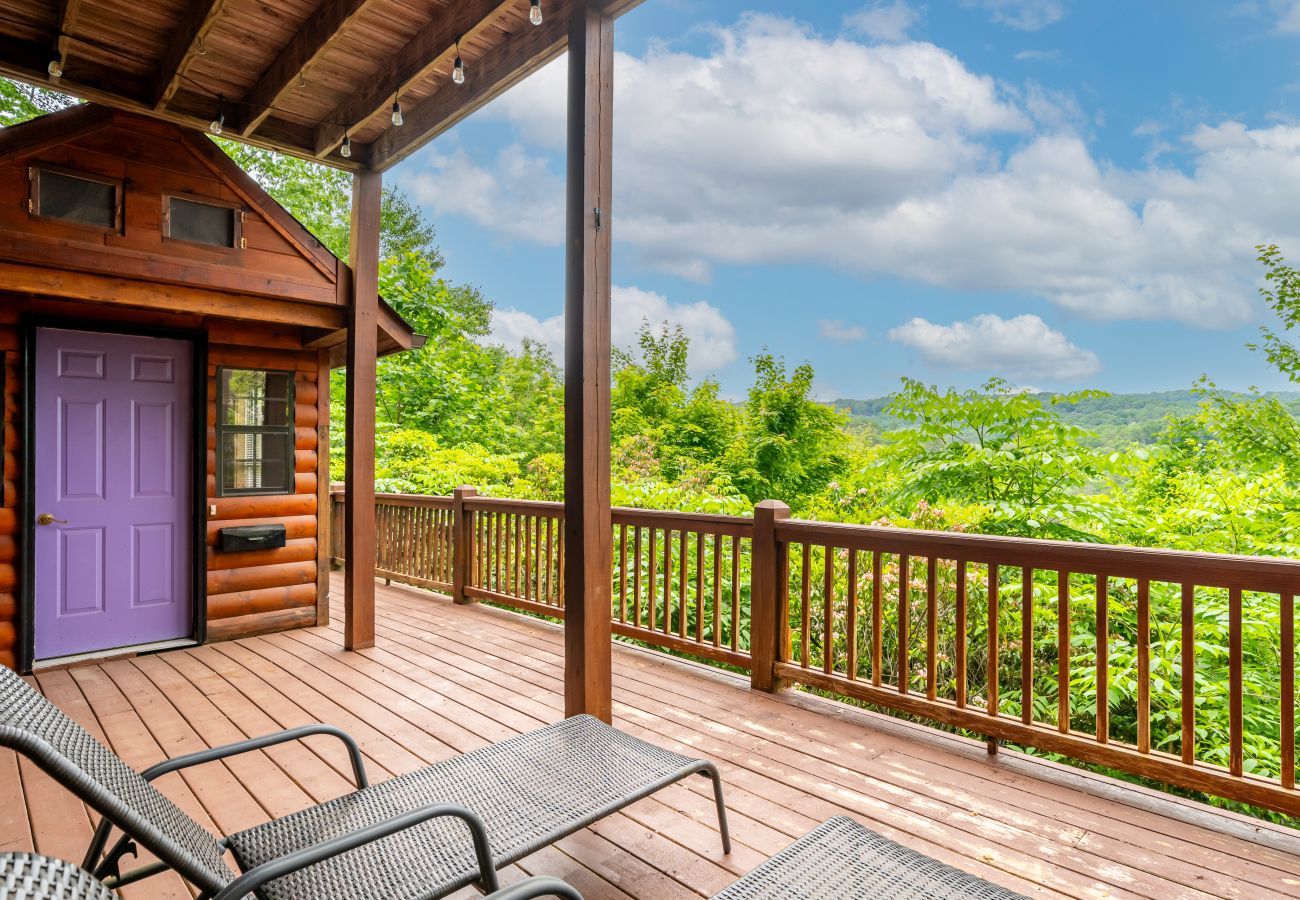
(255, 440)
(75, 197)
(198, 221)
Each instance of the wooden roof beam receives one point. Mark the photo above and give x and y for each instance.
(433, 45)
(308, 43)
(184, 45)
(518, 56)
(65, 20)
(521, 54)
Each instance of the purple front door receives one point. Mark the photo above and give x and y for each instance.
(113, 495)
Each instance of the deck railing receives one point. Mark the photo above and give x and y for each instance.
(931, 624)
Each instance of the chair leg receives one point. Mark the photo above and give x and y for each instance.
(712, 772)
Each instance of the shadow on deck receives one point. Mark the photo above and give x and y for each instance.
(445, 679)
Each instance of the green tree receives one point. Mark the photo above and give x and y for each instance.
(789, 445)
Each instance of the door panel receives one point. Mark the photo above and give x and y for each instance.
(113, 459)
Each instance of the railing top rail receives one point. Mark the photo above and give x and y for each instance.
(1250, 573)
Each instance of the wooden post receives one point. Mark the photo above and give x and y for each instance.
(766, 618)
(462, 542)
(363, 317)
(588, 528)
(324, 510)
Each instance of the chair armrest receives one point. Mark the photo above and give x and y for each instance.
(537, 886)
(254, 878)
(257, 743)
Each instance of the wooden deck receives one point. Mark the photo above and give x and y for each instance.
(445, 679)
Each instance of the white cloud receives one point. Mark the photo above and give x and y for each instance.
(1037, 55)
(1027, 15)
(839, 331)
(1288, 21)
(767, 150)
(884, 22)
(1020, 346)
(713, 337)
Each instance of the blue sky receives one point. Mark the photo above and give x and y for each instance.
(1061, 192)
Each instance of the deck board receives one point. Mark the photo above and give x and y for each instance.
(443, 679)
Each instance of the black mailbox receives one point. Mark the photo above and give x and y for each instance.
(252, 537)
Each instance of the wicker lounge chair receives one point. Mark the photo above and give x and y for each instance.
(420, 835)
(843, 860)
(27, 876)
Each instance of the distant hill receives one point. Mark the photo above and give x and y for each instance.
(1118, 420)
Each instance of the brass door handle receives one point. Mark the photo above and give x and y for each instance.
(48, 519)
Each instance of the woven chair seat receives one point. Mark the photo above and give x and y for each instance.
(29, 876)
(531, 790)
(842, 860)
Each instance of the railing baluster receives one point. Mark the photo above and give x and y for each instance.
(636, 576)
(1027, 646)
(1063, 652)
(622, 573)
(1144, 665)
(559, 565)
(960, 675)
(735, 593)
(1103, 660)
(1235, 686)
(828, 611)
(717, 590)
(805, 595)
(1288, 690)
(904, 620)
(519, 546)
(683, 553)
(652, 589)
(549, 587)
(994, 666)
(1188, 640)
(851, 665)
(932, 628)
(668, 581)
(699, 587)
(877, 616)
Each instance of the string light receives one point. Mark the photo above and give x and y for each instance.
(535, 12)
(217, 124)
(346, 150)
(458, 68)
(199, 47)
(397, 113)
(55, 68)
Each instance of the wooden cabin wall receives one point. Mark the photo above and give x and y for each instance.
(247, 593)
(153, 159)
(267, 590)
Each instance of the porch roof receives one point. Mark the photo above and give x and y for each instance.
(295, 77)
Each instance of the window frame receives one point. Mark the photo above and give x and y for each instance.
(34, 171)
(237, 233)
(287, 431)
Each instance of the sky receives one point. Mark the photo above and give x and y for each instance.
(1063, 193)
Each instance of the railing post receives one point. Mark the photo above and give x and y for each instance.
(462, 542)
(766, 625)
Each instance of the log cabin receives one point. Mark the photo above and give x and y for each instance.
(167, 332)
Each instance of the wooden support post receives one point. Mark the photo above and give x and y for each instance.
(767, 621)
(363, 317)
(462, 542)
(324, 512)
(588, 528)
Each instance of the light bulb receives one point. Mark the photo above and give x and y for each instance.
(346, 150)
(397, 113)
(458, 71)
(55, 68)
(535, 13)
(218, 123)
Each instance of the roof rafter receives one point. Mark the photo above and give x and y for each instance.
(184, 45)
(429, 48)
(65, 20)
(308, 43)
